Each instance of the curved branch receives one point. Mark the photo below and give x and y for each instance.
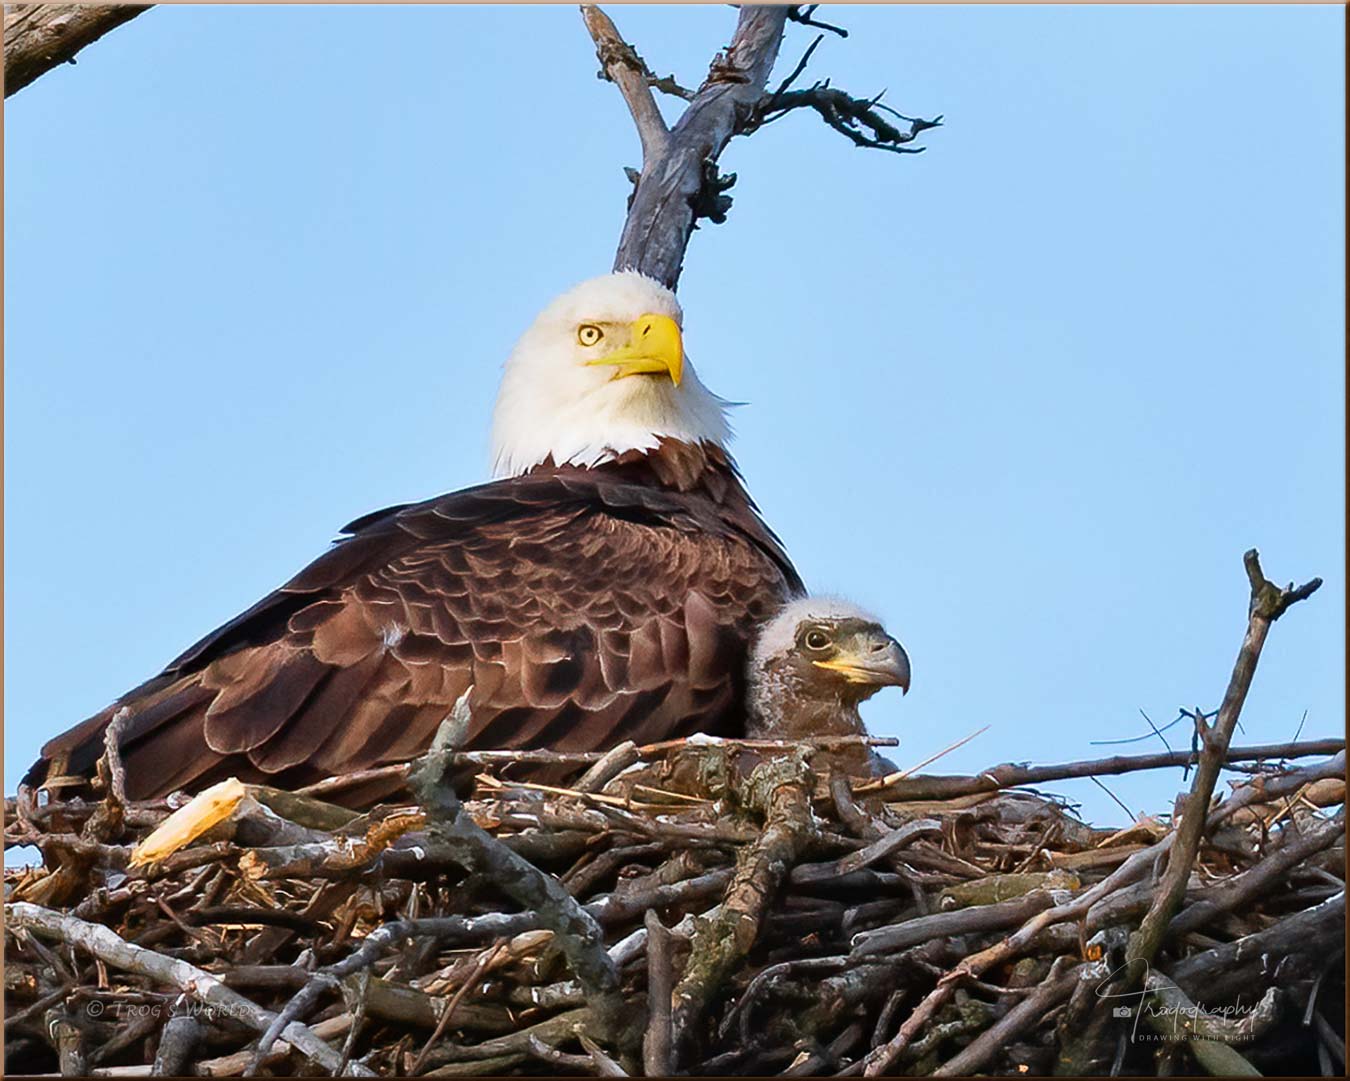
(40, 36)
(621, 65)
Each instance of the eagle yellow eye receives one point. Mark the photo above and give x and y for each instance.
(588, 334)
(816, 640)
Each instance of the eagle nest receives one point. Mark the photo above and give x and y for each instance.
(698, 907)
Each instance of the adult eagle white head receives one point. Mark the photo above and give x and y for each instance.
(603, 588)
(567, 396)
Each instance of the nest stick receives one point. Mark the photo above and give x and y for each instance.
(110, 948)
(1268, 603)
(716, 947)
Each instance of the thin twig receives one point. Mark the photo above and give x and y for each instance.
(1010, 775)
(891, 779)
(481, 962)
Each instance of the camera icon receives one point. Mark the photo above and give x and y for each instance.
(1121, 1011)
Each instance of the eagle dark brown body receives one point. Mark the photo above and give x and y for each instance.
(583, 607)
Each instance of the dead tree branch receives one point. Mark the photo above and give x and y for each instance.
(38, 37)
(858, 120)
(620, 63)
(679, 182)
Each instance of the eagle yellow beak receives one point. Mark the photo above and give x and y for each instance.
(654, 347)
(877, 660)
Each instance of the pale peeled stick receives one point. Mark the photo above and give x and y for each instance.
(190, 821)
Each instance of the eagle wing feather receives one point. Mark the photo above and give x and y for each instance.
(581, 607)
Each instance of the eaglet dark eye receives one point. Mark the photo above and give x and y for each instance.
(589, 334)
(817, 639)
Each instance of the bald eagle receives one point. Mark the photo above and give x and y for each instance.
(811, 666)
(603, 588)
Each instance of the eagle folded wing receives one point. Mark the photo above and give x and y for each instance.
(581, 610)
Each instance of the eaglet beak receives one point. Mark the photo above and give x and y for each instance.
(654, 347)
(873, 658)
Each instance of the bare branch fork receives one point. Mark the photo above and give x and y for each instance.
(679, 182)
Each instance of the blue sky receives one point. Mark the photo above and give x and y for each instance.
(1029, 395)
